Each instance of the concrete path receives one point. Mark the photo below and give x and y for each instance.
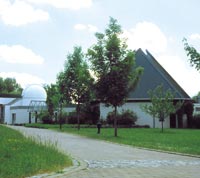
(102, 159)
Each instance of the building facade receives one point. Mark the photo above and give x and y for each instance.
(154, 75)
(23, 109)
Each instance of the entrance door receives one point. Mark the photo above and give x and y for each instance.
(172, 120)
(13, 118)
(1, 113)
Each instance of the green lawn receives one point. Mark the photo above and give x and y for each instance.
(183, 141)
(173, 140)
(22, 157)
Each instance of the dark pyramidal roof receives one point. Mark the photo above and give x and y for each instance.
(154, 74)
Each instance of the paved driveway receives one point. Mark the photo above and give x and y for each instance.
(102, 159)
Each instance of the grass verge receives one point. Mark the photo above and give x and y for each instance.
(174, 140)
(22, 157)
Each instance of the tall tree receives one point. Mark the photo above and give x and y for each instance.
(1, 85)
(193, 54)
(75, 81)
(113, 65)
(162, 104)
(53, 98)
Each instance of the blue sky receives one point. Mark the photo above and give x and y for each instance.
(36, 35)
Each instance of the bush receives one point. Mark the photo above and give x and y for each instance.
(72, 118)
(126, 118)
(45, 118)
(90, 113)
(196, 121)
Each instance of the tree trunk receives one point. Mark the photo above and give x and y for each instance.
(162, 125)
(36, 116)
(154, 122)
(115, 122)
(60, 119)
(78, 116)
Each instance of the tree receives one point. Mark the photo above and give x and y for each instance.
(9, 85)
(53, 98)
(113, 65)
(151, 110)
(162, 104)
(194, 56)
(1, 85)
(75, 81)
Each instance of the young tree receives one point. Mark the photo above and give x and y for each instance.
(114, 67)
(162, 104)
(151, 110)
(75, 81)
(194, 56)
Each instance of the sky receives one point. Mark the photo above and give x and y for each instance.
(37, 35)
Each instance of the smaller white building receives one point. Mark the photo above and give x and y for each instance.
(196, 109)
(25, 108)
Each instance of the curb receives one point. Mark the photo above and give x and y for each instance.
(78, 165)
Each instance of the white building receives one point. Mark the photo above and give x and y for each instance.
(154, 74)
(23, 109)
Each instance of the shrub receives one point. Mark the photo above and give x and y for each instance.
(72, 118)
(90, 113)
(196, 121)
(125, 118)
(45, 118)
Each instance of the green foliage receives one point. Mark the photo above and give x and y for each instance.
(193, 54)
(125, 118)
(75, 81)
(197, 97)
(113, 65)
(9, 86)
(89, 114)
(188, 108)
(45, 117)
(161, 104)
(72, 118)
(53, 98)
(23, 157)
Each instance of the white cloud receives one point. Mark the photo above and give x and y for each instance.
(65, 4)
(19, 54)
(23, 79)
(195, 36)
(20, 13)
(149, 36)
(146, 35)
(88, 27)
(80, 27)
(4, 4)
(180, 70)
(92, 28)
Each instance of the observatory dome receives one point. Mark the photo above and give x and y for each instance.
(34, 92)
